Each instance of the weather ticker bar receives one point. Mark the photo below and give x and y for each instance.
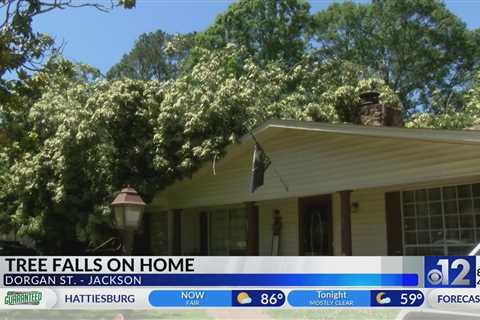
(239, 282)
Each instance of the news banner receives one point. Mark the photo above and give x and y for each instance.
(443, 283)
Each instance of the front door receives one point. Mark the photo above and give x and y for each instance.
(315, 226)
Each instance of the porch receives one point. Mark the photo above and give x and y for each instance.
(439, 217)
(353, 190)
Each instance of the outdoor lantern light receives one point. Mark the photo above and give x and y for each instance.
(128, 209)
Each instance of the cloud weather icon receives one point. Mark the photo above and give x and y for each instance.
(381, 299)
(244, 298)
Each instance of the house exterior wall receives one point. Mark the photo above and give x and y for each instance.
(368, 226)
(369, 230)
(368, 222)
(190, 228)
(318, 159)
(369, 236)
(289, 236)
(315, 163)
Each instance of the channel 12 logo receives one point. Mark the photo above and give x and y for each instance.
(450, 272)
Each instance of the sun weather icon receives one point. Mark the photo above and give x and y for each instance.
(382, 299)
(244, 298)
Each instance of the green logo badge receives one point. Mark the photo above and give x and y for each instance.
(15, 298)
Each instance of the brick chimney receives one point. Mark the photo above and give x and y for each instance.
(371, 112)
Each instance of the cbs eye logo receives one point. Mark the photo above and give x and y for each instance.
(450, 272)
(435, 277)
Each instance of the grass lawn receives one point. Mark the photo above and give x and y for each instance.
(103, 315)
(334, 314)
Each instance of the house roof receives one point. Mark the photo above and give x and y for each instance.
(469, 137)
(332, 161)
(433, 135)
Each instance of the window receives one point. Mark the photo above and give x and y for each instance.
(441, 221)
(228, 232)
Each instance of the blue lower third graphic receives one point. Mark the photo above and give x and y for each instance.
(224, 279)
(329, 298)
(190, 298)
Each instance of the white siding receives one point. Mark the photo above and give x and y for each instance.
(369, 234)
(368, 222)
(288, 239)
(289, 234)
(315, 163)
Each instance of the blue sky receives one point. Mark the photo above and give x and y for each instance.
(100, 39)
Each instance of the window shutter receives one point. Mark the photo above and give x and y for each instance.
(394, 223)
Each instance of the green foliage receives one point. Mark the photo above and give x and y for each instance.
(421, 50)
(224, 96)
(75, 139)
(451, 117)
(415, 46)
(70, 150)
(155, 56)
(268, 29)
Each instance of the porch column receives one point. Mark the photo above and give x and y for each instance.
(346, 222)
(252, 229)
(177, 232)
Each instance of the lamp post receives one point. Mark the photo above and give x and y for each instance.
(128, 209)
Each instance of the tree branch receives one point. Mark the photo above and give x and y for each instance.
(23, 8)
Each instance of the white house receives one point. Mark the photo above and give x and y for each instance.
(352, 190)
